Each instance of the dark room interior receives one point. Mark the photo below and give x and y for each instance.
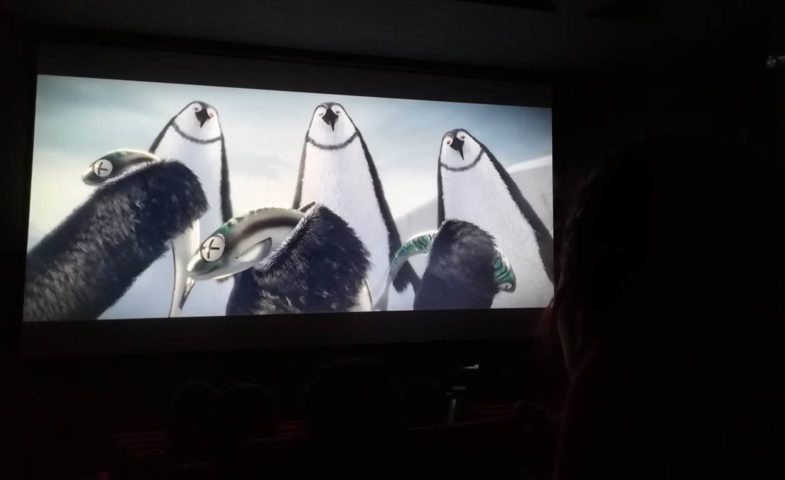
(683, 385)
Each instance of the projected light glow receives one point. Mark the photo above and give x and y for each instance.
(308, 199)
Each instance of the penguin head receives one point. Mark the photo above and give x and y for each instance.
(199, 120)
(459, 151)
(331, 125)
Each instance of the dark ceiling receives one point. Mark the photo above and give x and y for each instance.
(542, 35)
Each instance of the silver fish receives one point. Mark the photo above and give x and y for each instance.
(243, 242)
(421, 244)
(114, 164)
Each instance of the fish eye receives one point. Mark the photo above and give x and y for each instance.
(213, 248)
(102, 168)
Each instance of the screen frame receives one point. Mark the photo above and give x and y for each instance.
(316, 73)
(73, 54)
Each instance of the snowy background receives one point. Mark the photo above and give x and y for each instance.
(80, 119)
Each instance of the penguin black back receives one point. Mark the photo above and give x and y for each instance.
(226, 194)
(407, 274)
(544, 238)
(161, 134)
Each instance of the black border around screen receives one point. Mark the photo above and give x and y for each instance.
(142, 336)
(134, 336)
(289, 75)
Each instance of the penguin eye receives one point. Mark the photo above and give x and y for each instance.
(449, 141)
(211, 113)
(462, 137)
(196, 108)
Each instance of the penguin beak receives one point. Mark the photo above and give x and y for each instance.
(457, 145)
(202, 116)
(330, 118)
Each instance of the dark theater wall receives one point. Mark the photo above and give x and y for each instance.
(721, 88)
(718, 85)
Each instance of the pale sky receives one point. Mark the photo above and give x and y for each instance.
(79, 119)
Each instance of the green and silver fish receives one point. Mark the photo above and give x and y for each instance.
(243, 242)
(114, 164)
(421, 244)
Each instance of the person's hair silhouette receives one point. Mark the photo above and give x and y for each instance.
(652, 255)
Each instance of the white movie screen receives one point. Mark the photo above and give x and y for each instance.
(153, 200)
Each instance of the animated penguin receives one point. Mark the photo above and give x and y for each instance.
(337, 171)
(287, 261)
(474, 187)
(194, 137)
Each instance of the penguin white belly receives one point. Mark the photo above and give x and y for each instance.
(205, 161)
(340, 180)
(151, 293)
(481, 197)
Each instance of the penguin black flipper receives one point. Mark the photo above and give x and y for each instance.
(162, 133)
(406, 275)
(440, 200)
(298, 192)
(460, 272)
(321, 268)
(544, 238)
(226, 196)
(160, 136)
(87, 263)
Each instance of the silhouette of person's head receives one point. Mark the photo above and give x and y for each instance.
(245, 412)
(648, 248)
(655, 255)
(192, 424)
